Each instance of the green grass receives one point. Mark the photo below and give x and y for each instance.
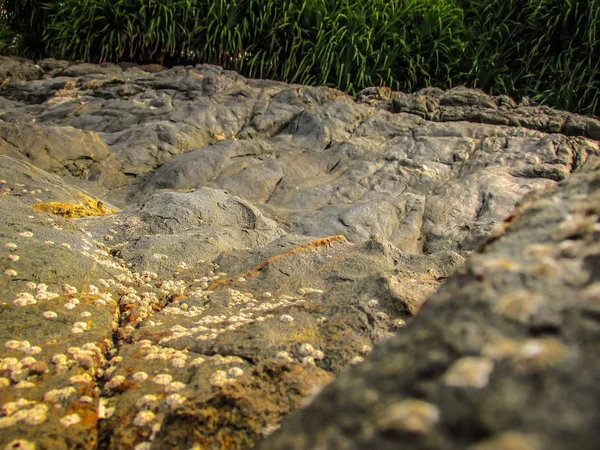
(548, 50)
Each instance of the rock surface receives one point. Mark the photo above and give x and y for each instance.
(189, 256)
(505, 354)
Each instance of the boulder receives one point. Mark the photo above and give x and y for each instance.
(187, 257)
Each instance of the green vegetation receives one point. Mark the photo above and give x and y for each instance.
(546, 49)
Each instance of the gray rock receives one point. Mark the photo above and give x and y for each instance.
(473, 105)
(269, 236)
(17, 69)
(504, 355)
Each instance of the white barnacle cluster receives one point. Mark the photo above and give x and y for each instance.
(309, 354)
(309, 290)
(63, 395)
(174, 386)
(49, 315)
(17, 372)
(221, 377)
(104, 411)
(24, 299)
(23, 412)
(68, 289)
(115, 382)
(13, 258)
(373, 303)
(83, 379)
(199, 360)
(72, 303)
(23, 346)
(174, 401)
(144, 418)
(147, 401)
(162, 379)
(42, 292)
(89, 357)
(139, 376)
(79, 328)
(356, 360)
(172, 287)
(177, 358)
(70, 420)
(284, 356)
(27, 234)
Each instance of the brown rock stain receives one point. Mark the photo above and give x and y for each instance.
(314, 245)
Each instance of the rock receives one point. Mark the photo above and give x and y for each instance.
(17, 69)
(52, 67)
(187, 257)
(79, 70)
(502, 356)
(473, 105)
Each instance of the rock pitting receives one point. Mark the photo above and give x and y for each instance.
(189, 256)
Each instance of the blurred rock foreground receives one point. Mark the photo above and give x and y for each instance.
(189, 259)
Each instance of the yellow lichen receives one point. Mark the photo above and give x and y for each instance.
(87, 207)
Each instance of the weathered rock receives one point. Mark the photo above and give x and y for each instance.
(504, 355)
(17, 69)
(269, 235)
(473, 105)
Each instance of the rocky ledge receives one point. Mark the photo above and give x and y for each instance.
(187, 257)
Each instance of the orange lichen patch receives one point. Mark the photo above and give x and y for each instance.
(314, 245)
(88, 207)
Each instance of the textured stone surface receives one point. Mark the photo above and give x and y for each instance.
(504, 355)
(188, 256)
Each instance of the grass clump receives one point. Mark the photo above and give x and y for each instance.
(548, 50)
